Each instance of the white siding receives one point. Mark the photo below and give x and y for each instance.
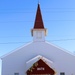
(16, 61)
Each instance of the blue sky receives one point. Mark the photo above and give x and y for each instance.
(17, 19)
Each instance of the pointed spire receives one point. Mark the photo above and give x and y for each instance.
(38, 20)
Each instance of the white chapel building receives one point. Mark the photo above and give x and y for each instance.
(38, 57)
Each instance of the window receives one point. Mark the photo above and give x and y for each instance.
(62, 73)
(16, 73)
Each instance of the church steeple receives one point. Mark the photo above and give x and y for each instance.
(38, 20)
(38, 31)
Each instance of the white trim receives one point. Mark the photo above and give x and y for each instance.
(39, 57)
(33, 42)
(64, 50)
(47, 60)
(15, 50)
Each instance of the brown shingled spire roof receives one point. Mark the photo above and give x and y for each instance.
(38, 20)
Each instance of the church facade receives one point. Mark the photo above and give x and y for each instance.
(38, 57)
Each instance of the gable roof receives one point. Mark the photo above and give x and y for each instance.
(29, 43)
(40, 67)
(39, 57)
(46, 42)
(38, 20)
